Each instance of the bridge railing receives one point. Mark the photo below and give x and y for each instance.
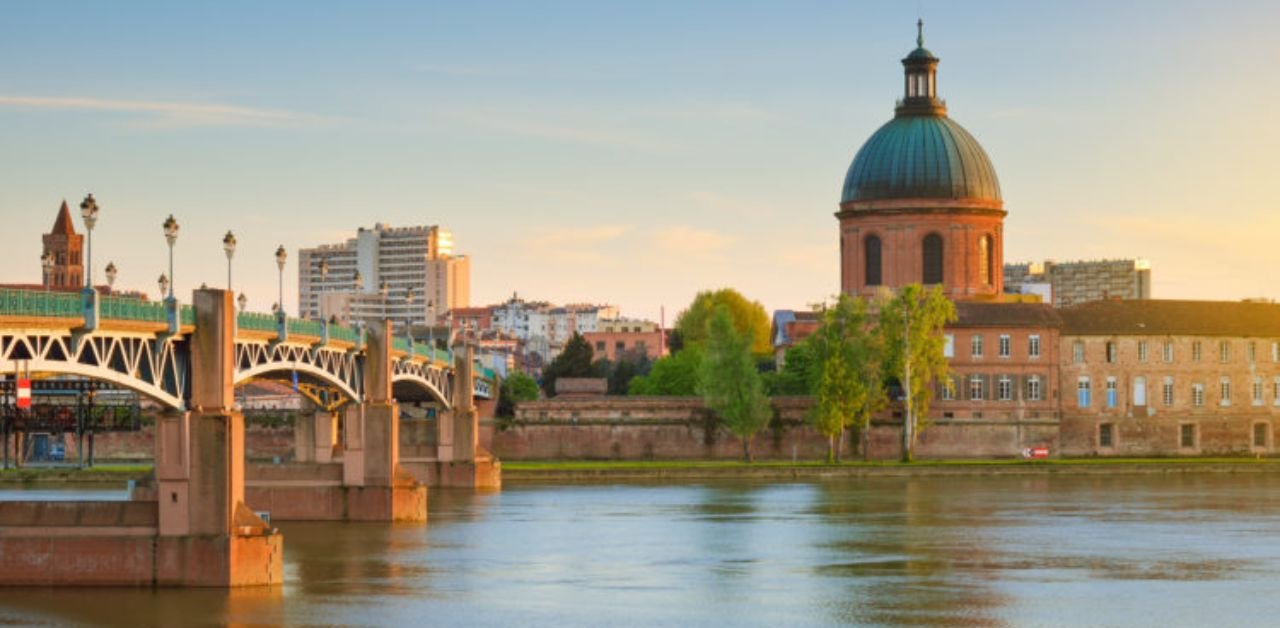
(253, 321)
(304, 327)
(14, 302)
(132, 309)
(343, 333)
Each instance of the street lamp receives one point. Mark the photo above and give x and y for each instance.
(243, 301)
(46, 262)
(431, 329)
(111, 277)
(170, 236)
(229, 245)
(164, 286)
(89, 212)
(281, 256)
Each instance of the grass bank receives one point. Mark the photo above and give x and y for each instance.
(582, 470)
(69, 475)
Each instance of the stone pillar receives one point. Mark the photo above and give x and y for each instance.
(208, 536)
(466, 427)
(378, 489)
(325, 430)
(304, 439)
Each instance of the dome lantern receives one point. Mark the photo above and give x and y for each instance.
(920, 94)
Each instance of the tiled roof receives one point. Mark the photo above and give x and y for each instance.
(63, 225)
(1162, 317)
(985, 314)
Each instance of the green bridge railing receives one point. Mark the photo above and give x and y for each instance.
(34, 303)
(253, 321)
(304, 327)
(129, 309)
(343, 333)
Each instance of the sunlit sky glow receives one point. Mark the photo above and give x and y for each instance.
(631, 153)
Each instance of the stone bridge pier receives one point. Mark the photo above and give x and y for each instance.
(460, 461)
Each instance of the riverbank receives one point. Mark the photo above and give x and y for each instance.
(677, 470)
(589, 471)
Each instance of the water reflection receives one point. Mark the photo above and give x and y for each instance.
(978, 551)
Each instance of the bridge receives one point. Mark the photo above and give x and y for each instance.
(194, 523)
(144, 346)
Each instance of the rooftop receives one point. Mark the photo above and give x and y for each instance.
(1172, 318)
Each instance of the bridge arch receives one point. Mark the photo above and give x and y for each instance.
(152, 367)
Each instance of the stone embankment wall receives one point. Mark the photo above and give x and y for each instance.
(682, 428)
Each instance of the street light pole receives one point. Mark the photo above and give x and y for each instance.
(281, 257)
(164, 286)
(229, 245)
(170, 236)
(111, 277)
(89, 212)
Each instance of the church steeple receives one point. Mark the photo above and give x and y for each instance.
(64, 247)
(920, 97)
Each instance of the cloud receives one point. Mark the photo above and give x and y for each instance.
(574, 133)
(163, 113)
(693, 242)
(576, 245)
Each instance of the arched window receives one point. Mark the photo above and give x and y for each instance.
(986, 269)
(871, 253)
(932, 259)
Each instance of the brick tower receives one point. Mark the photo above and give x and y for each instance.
(67, 249)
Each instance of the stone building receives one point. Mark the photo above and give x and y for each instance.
(1070, 283)
(921, 202)
(66, 246)
(1170, 377)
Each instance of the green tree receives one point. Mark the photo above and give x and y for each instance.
(749, 319)
(911, 324)
(849, 387)
(676, 375)
(730, 382)
(799, 372)
(574, 361)
(515, 388)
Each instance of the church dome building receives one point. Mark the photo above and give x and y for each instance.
(921, 202)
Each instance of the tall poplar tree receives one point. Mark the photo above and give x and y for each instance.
(911, 324)
(849, 387)
(730, 383)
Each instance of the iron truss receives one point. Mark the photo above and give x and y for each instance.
(270, 360)
(157, 367)
(435, 380)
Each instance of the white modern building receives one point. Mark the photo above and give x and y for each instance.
(407, 274)
(544, 328)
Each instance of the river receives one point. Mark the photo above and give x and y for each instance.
(1153, 550)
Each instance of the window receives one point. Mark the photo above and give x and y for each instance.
(1082, 392)
(599, 346)
(1005, 388)
(1166, 394)
(1105, 434)
(1140, 392)
(620, 346)
(1260, 433)
(986, 269)
(1195, 351)
(1275, 351)
(1033, 388)
(1257, 391)
(1252, 351)
(947, 390)
(932, 254)
(975, 346)
(1168, 351)
(975, 388)
(1224, 391)
(1224, 351)
(1142, 351)
(1187, 436)
(1111, 392)
(1111, 353)
(871, 260)
(1033, 345)
(1006, 345)
(1275, 391)
(1197, 395)
(949, 346)
(640, 345)
(1077, 351)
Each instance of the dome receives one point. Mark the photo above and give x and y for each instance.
(921, 156)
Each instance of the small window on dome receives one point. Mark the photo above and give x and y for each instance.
(932, 255)
(871, 252)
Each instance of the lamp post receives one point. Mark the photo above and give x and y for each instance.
(111, 277)
(229, 245)
(164, 286)
(281, 257)
(170, 236)
(46, 262)
(357, 281)
(89, 212)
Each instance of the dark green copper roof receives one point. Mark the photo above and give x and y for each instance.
(921, 157)
(921, 53)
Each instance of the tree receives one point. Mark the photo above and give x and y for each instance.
(574, 361)
(676, 375)
(799, 372)
(730, 382)
(515, 388)
(848, 386)
(911, 325)
(749, 319)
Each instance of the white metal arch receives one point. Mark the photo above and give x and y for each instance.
(242, 377)
(151, 367)
(422, 383)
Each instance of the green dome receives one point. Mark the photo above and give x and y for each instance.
(921, 156)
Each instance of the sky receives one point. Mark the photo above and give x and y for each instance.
(629, 153)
